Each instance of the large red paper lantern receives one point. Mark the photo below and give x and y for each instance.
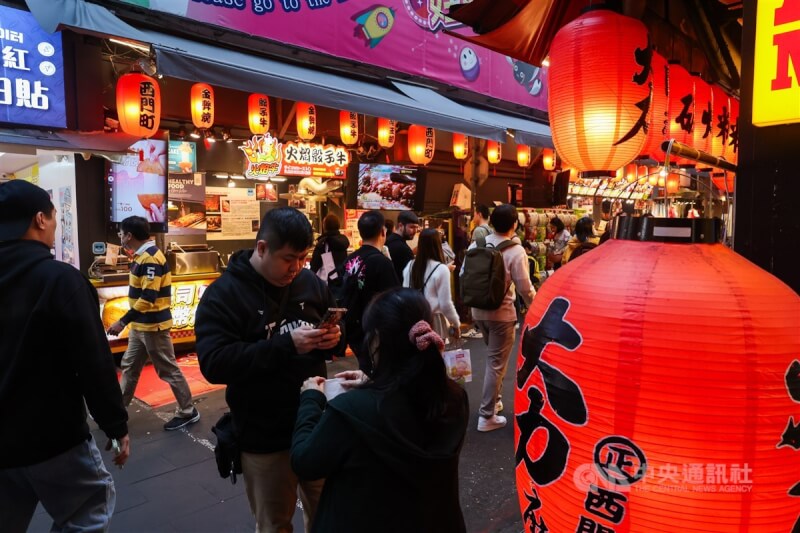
(138, 104)
(387, 132)
(494, 152)
(703, 120)
(421, 144)
(460, 146)
(599, 96)
(724, 181)
(258, 113)
(348, 127)
(202, 99)
(306, 115)
(658, 130)
(722, 122)
(682, 115)
(665, 397)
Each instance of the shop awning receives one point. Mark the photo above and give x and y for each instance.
(195, 61)
(99, 142)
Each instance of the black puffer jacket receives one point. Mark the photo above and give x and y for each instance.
(337, 244)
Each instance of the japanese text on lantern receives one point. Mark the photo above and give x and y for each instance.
(791, 435)
(147, 104)
(429, 133)
(776, 87)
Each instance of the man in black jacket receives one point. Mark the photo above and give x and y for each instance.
(54, 355)
(255, 333)
(407, 226)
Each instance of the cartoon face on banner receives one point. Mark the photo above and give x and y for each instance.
(430, 14)
(645, 405)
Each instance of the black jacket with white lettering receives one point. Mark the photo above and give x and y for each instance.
(263, 372)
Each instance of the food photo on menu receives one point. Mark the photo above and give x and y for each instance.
(139, 182)
(213, 222)
(391, 187)
(187, 215)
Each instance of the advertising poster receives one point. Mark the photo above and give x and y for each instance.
(231, 214)
(139, 185)
(186, 209)
(404, 35)
(266, 192)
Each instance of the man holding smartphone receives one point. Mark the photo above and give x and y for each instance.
(255, 333)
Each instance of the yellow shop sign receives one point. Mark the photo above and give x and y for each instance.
(776, 78)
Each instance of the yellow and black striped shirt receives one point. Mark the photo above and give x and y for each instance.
(149, 291)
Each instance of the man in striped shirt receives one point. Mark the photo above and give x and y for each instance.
(149, 295)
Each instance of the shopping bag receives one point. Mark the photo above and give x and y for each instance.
(459, 365)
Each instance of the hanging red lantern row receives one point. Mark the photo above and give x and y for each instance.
(202, 101)
(494, 152)
(523, 155)
(421, 144)
(629, 423)
(138, 104)
(348, 127)
(722, 123)
(703, 120)
(548, 159)
(682, 114)
(460, 146)
(387, 132)
(258, 113)
(306, 115)
(658, 130)
(599, 102)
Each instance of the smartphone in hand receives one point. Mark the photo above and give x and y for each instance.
(331, 318)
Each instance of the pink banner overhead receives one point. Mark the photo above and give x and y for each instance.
(401, 35)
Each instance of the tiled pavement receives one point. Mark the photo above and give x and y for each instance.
(171, 483)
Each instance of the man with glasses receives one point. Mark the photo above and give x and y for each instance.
(150, 295)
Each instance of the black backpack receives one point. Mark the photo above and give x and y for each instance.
(483, 282)
(348, 292)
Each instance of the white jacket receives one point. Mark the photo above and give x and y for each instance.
(437, 290)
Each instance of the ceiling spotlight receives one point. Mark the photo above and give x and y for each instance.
(222, 176)
(210, 135)
(231, 183)
(226, 135)
(147, 65)
(195, 134)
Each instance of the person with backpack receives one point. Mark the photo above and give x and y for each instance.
(429, 275)
(496, 269)
(365, 273)
(330, 242)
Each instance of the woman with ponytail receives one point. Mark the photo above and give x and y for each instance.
(388, 448)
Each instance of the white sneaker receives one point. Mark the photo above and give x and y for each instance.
(472, 334)
(498, 407)
(490, 424)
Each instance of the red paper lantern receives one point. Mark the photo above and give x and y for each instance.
(258, 113)
(460, 146)
(663, 398)
(703, 119)
(348, 127)
(306, 115)
(387, 132)
(658, 130)
(599, 96)
(494, 152)
(673, 183)
(722, 122)
(523, 155)
(725, 182)
(548, 159)
(733, 142)
(138, 104)
(681, 109)
(421, 144)
(202, 98)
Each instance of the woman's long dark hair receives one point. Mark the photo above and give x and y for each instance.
(400, 365)
(429, 247)
(584, 229)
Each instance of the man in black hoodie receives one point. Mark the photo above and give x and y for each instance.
(255, 332)
(54, 355)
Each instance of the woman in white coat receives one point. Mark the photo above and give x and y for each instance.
(428, 274)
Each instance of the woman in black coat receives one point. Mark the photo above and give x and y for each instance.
(331, 241)
(388, 447)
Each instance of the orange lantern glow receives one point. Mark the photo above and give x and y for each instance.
(548, 159)
(725, 182)
(681, 108)
(599, 102)
(658, 131)
(673, 182)
(494, 152)
(733, 142)
(641, 174)
(640, 402)
(387, 132)
(306, 115)
(348, 127)
(523, 155)
(202, 98)
(722, 123)
(460, 146)
(703, 119)
(138, 104)
(421, 144)
(258, 113)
